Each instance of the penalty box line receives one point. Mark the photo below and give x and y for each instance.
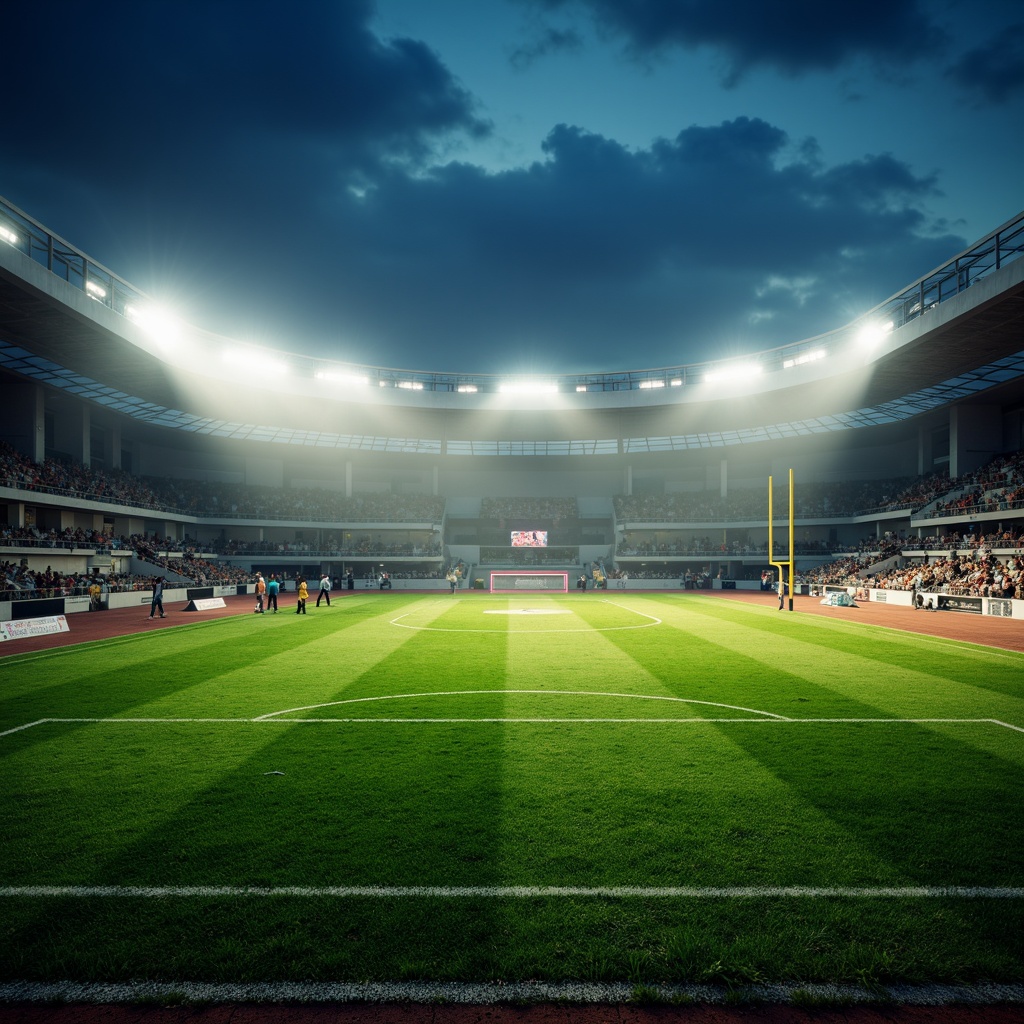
(263, 720)
(515, 892)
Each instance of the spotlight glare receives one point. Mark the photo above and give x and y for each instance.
(527, 387)
(337, 377)
(803, 358)
(733, 371)
(648, 384)
(871, 334)
(8, 236)
(253, 363)
(160, 324)
(468, 389)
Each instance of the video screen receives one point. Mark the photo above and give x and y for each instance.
(529, 538)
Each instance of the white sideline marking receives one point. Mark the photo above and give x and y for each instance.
(606, 993)
(520, 891)
(27, 725)
(545, 693)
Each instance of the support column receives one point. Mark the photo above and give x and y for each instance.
(115, 446)
(85, 452)
(975, 437)
(38, 439)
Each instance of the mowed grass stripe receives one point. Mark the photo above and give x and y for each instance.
(302, 660)
(727, 663)
(441, 805)
(916, 681)
(888, 646)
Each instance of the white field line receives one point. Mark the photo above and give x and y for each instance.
(654, 621)
(699, 892)
(270, 720)
(542, 693)
(435, 993)
(532, 632)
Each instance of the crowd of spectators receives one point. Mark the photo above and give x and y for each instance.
(706, 546)
(212, 499)
(330, 548)
(997, 486)
(538, 509)
(33, 537)
(969, 566)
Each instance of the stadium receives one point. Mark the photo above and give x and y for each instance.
(563, 744)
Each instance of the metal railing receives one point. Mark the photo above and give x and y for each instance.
(985, 257)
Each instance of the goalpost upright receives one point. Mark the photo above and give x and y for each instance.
(780, 565)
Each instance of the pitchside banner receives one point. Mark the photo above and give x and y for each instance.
(20, 629)
(958, 603)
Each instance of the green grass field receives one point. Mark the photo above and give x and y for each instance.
(622, 787)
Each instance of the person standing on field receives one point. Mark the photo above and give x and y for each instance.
(325, 590)
(300, 608)
(157, 604)
(273, 588)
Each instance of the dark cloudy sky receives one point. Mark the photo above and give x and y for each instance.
(516, 185)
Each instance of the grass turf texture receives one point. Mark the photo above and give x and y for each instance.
(397, 741)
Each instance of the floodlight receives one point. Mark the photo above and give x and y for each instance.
(8, 236)
(733, 371)
(804, 357)
(648, 384)
(872, 333)
(253, 362)
(467, 389)
(161, 325)
(95, 290)
(410, 385)
(676, 382)
(337, 377)
(581, 387)
(527, 387)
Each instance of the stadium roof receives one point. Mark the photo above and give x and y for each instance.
(950, 336)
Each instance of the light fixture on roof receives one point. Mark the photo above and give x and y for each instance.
(733, 371)
(872, 333)
(804, 358)
(528, 387)
(581, 387)
(648, 384)
(467, 389)
(410, 385)
(8, 235)
(160, 324)
(254, 363)
(96, 291)
(338, 377)
(676, 382)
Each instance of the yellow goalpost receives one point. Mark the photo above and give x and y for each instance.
(780, 565)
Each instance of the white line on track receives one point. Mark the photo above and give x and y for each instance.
(958, 892)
